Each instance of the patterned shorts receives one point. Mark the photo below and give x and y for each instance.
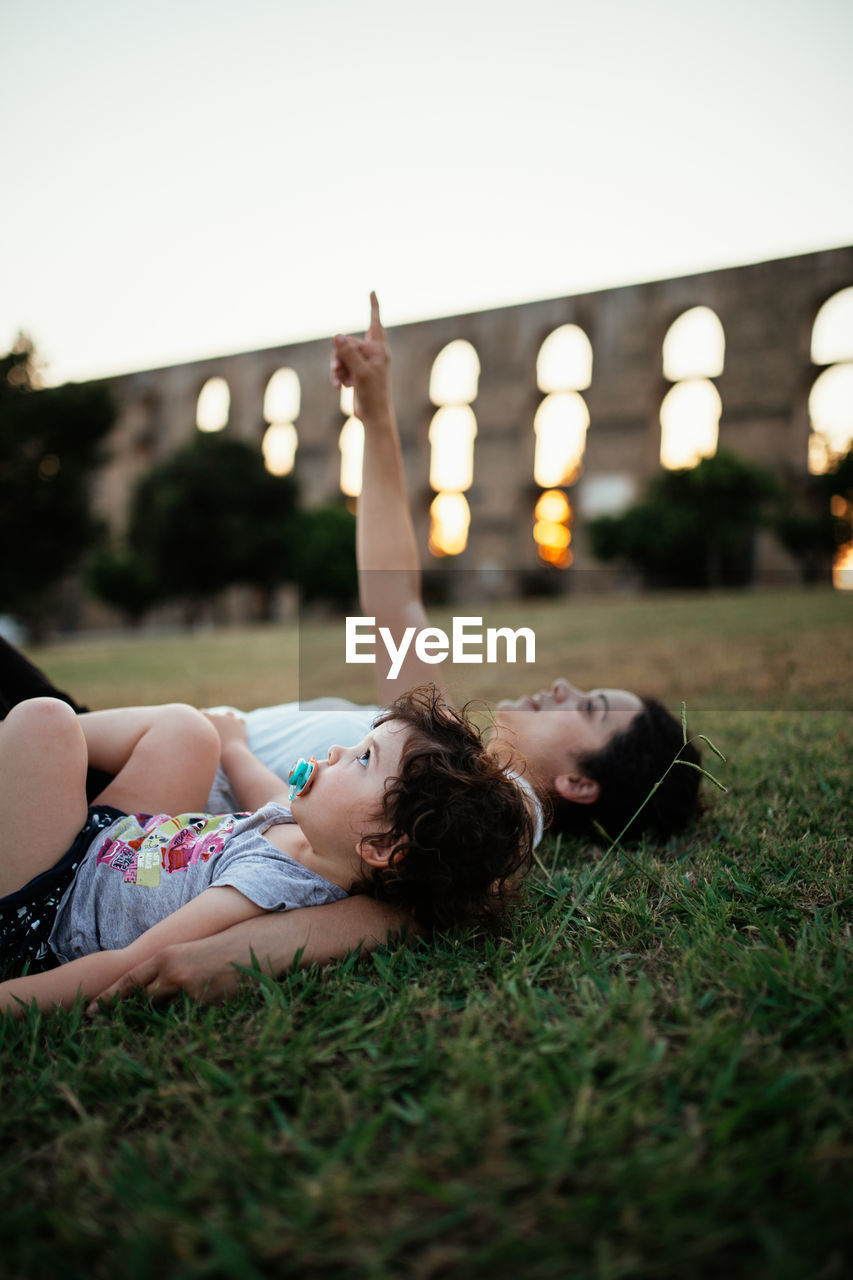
(28, 914)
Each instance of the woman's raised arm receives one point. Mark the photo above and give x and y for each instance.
(389, 574)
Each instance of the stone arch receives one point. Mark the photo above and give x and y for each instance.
(831, 394)
(692, 355)
(552, 528)
(564, 361)
(694, 346)
(455, 374)
(832, 329)
(831, 411)
(282, 402)
(563, 371)
(213, 405)
(351, 445)
(453, 386)
(560, 427)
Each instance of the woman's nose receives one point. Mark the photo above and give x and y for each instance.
(563, 690)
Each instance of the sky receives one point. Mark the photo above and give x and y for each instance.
(191, 178)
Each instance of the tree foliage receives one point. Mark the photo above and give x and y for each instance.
(692, 528)
(121, 579)
(51, 443)
(210, 516)
(810, 525)
(323, 563)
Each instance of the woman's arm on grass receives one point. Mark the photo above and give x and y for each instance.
(211, 912)
(206, 969)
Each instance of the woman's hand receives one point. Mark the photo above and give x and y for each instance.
(209, 968)
(365, 365)
(198, 968)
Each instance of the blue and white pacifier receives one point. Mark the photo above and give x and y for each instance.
(302, 775)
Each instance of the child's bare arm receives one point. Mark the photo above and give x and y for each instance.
(312, 935)
(251, 781)
(211, 912)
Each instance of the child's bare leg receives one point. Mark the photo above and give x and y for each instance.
(42, 788)
(164, 758)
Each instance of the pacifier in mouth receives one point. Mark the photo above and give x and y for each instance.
(301, 777)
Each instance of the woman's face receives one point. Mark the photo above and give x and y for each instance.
(554, 728)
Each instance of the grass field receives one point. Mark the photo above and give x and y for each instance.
(649, 1074)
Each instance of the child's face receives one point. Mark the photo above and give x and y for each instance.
(344, 802)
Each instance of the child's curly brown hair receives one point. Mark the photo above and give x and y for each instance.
(462, 830)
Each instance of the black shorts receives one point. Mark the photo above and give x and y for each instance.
(28, 914)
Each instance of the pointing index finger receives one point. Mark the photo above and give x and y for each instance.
(375, 330)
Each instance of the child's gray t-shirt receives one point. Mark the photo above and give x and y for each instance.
(141, 869)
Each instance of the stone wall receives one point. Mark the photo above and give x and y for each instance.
(767, 311)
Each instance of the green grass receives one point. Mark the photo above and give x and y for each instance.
(648, 1075)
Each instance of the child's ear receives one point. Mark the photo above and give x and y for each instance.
(375, 853)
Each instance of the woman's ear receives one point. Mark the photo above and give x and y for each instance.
(577, 788)
(375, 853)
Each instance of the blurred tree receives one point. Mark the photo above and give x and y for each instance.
(206, 518)
(121, 579)
(816, 518)
(693, 528)
(50, 446)
(322, 555)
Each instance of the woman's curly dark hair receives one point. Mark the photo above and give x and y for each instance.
(461, 828)
(628, 770)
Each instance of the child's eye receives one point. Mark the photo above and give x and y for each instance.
(364, 758)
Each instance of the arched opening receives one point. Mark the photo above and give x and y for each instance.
(831, 417)
(563, 370)
(690, 423)
(831, 412)
(450, 519)
(832, 332)
(351, 445)
(560, 427)
(282, 400)
(279, 448)
(453, 385)
(552, 530)
(564, 362)
(455, 374)
(693, 352)
(213, 406)
(283, 396)
(451, 438)
(694, 346)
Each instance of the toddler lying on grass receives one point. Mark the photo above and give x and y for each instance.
(419, 815)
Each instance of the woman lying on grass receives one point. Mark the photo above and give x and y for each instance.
(420, 815)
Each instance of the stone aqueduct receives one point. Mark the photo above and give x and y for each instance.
(767, 312)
